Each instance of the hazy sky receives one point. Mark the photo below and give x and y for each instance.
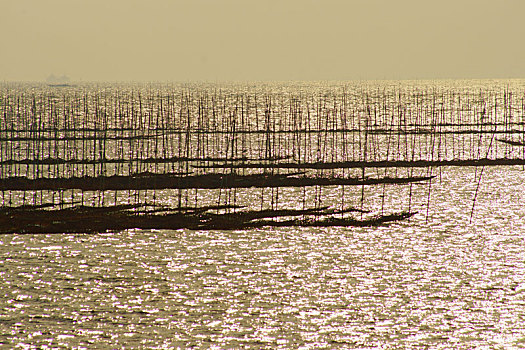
(210, 40)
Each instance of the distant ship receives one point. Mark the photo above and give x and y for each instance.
(59, 85)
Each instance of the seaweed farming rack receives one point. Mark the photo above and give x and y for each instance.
(92, 158)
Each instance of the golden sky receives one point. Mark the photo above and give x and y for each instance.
(216, 40)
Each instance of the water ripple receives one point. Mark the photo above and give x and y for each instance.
(445, 283)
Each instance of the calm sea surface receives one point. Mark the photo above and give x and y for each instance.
(445, 283)
(449, 277)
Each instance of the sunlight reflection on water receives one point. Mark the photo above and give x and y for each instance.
(438, 280)
(445, 283)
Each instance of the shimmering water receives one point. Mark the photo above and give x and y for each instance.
(436, 281)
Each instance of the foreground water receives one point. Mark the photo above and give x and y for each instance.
(437, 281)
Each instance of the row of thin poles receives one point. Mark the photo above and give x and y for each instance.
(96, 132)
(94, 126)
